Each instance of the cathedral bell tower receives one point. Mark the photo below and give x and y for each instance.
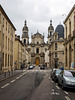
(50, 31)
(25, 37)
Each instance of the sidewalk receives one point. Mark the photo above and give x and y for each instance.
(6, 75)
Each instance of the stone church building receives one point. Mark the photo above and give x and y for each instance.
(38, 50)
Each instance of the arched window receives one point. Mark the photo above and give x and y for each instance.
(37, 50)
(55, 46)
(24, 41)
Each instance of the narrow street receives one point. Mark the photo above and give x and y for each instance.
(33, 84)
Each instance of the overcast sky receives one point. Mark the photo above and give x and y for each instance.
(37, 13)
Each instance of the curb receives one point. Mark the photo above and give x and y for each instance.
(10, 76)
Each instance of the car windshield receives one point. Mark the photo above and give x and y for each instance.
(69, 74)
(58, 71)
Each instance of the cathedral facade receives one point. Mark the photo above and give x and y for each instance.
(38, 50)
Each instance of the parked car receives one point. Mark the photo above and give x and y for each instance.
(55, 74)
(52, 71)
(66, 78)
(42, 67)
(30, 67)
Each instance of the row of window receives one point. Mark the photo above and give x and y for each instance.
(10, 60)
(70, 26)
(7, 26)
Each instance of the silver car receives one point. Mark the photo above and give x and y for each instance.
(66, 78)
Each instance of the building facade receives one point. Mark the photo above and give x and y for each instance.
(56, 48)
(69, 43)
(7, 39)
(19, 53)
(37, 49)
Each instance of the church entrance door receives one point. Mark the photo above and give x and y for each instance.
(37, 61)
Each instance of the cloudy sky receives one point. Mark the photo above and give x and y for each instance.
(37, 13)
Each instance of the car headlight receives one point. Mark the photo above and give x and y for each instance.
(68, 82)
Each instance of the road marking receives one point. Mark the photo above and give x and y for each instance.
(55, 93)
(5, 85)
(49, 78)
(20, 75)
(66, 92)
(52, 81)
(13, 81)
(57, 87)
(67, 98)
(17, 77)
(52, 89)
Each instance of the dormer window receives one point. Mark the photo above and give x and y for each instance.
(55, 37)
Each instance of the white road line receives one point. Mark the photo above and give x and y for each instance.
(5, 85)
(13, 81)
(17, 77)
(52, 90)
(67, 98)
(57, 87)
(66, 92)
(52, 81)
(20, 75)
(49, 78)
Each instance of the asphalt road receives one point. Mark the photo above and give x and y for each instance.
(33, 85)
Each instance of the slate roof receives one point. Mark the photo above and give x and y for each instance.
(60, 30)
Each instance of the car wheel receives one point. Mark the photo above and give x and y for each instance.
(58, 83)
(62, 86)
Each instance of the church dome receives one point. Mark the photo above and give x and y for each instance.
(60, 30)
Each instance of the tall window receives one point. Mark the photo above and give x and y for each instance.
(3, 22)
(55, 37)
(55, 54)
(70, 27)
(6, 25)
(24, 41)
(37, 50)
(55, 46)
(50, 33)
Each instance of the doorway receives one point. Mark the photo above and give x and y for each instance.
(37, 61)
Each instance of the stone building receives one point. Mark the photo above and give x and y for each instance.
(19, 53)
(56, 48)
(37, 49)
(7, 39)
(69, 42)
